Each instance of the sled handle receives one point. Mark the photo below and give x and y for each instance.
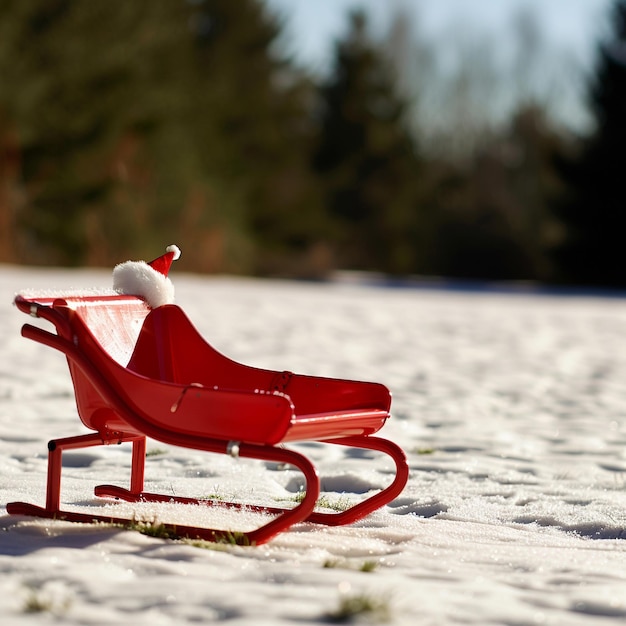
(47, 338)
(46, 312)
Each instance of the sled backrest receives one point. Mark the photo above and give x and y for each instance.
(115, 321)
(100, 324)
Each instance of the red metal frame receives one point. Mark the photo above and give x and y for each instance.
(141, 373)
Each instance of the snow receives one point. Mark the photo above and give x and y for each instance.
(512, 412)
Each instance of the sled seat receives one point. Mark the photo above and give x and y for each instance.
(144, 372)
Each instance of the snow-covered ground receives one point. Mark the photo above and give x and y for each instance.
(511, 409)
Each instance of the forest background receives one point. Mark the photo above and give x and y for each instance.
(126, 126)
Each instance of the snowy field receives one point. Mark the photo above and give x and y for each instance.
(512, 412)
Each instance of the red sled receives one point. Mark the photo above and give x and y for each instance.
(144, 372)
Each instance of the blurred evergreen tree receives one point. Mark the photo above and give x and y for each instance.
(80, 89)
(493, 217)
(252, 130)
(594, 207)
(531, 148)
(368, 160)
(141, 122)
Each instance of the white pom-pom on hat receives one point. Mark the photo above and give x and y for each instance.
(147, 280)
(175, 250)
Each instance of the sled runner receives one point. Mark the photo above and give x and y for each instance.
(140, 369)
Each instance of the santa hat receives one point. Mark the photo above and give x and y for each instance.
(163, 263)
(147, 280)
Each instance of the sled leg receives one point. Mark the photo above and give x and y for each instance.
(56, 447)
(55, 464)
(138, 465)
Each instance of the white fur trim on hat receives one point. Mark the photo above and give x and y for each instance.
(137, 278)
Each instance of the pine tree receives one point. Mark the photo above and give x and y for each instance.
(78, 87)
(367, 159)
(594, 210)
(253, 134)
(142, 122)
